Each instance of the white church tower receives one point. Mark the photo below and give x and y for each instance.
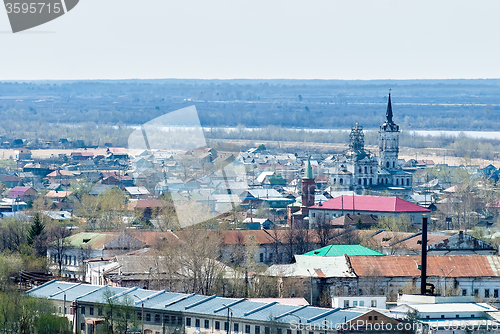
(389, 141)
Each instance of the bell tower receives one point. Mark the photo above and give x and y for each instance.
(389, 140)
(308, 187)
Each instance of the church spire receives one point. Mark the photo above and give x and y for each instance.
(308, 174)
(388, 114)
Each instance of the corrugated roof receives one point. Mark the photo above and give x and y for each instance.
(213, 306)
(437, 265)
(370, 203)
(315, 266)
(339, 250)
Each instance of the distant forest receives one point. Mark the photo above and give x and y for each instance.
(102, 111)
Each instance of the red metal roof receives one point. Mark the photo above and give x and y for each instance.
(370, 203)
(406, 265)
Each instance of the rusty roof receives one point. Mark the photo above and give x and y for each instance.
(437, 265)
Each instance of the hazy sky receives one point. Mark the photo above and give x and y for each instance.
(364, 39)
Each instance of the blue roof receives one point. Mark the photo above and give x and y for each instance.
(193, 304)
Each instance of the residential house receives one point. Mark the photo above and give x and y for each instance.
(78, 156)
(24, 194)
(137, 192)
(11, 181)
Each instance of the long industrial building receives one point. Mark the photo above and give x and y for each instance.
(161, 312)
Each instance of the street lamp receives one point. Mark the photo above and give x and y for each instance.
(311, 281)
(64, 304)
(300, 319)
(445, 279)
(142, 313)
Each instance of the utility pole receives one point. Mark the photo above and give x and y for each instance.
(64, 303)
(142, 313)
(311, 287)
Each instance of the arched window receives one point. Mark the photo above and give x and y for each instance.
(341, 181)
(393, 164)
(407, 182)
(365, 182)
(387, 164)
(366, 170)
(334, 180)
(386, 181)
(397, 182)
(359, 181)
(371, 170)
(370, 181)
(359, 170)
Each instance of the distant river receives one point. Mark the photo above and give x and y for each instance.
(471, 134)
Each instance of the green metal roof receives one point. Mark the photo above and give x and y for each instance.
(339, 250)
(308, 174)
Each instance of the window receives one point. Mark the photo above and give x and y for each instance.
(299, 331)
(217, 325)
(139, 315)
(314, 214)
(495, 293)
(354, 303)
(361, 303)
(427, 317)
(157, 318)
(278, 331)
(346, 303)
(197, 323)
(60, 309)
(257, 329)
(311, 332)
(375, 317)
(236, 327)
(442, 316)
(472, 315)
(148, 316)
(166, 318)
(464, 292)
(247, 329)
(267, 330)
(188, 322)
(476, 292)
(374, 303)
(226, 326)
(457, 316)
(288, 331)
(261, 257)
(82, 326)
(91, 310)
(82, 310)
(179, 321)
(369, 317)
(486, 293)
(207, 324)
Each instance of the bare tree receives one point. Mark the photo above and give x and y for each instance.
(59, 243)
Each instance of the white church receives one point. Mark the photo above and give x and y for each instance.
(358, 168)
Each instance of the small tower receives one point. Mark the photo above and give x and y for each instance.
(389, 140)
(308, 187)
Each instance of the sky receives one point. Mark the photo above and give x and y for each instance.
(265, 39)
